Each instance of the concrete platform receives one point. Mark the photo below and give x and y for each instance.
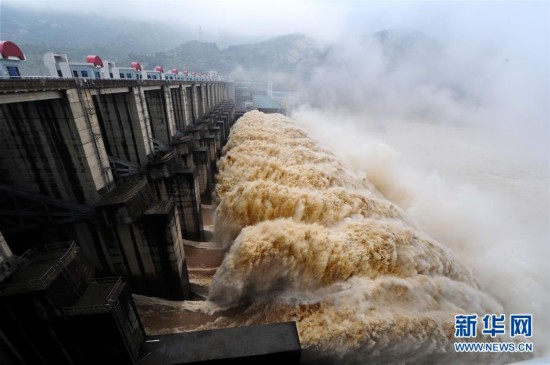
(268, 343)
(203, 257)
(202, 263)
(161, 316)
(39, 269)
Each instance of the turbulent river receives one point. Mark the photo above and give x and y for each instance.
(340, 240)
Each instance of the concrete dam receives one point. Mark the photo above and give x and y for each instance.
(144, 224)
(101, 184)
(118, 166)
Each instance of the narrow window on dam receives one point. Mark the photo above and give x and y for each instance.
(13, 71)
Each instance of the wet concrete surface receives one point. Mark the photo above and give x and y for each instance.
(160, 316)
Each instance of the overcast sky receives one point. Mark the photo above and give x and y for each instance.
(514, 33)
(328, 20)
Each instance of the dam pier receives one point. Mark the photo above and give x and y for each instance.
(101, 184)
(121, 167)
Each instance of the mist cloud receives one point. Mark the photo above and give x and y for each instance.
(421, 77)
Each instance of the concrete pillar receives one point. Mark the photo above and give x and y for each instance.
(162, 229)
(5, 251)
(204, 100)
(196, 103)
(122, 127)
(210, 97)
(96, 245)
(231, 87)
(214, 99)
(201, 159)
(159, 170)
(210, 102)
(214, 96)
(142, 120)
(187, 93)
(52, 147)
(182, 185)
(145, 233)
(218, 137)
(204, 95)
(178, 107)
(224, 117)
(189, 201)
(7, 264)
(121, 211)
(197, 132)
(184, 150)
(85, 117)
(210, 141)
(169, 180)
(228, 94)
(223, 132)
(161, 117)
(169, 111)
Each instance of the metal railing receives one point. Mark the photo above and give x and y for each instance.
(25, 257)
(90, 81)
(45, 279)
(115, 290)
(110, 300)
(53, 247)
(35, 78)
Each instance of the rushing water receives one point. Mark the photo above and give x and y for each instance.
(370, 258)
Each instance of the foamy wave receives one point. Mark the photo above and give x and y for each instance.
(294, 255)
(317, 244)
(271, 200)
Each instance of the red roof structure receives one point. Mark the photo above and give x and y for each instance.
(136, 66)
(159, 69)
(96, 60)
(10, 49)
(174, 71)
